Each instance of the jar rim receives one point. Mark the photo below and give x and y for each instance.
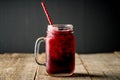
(60, 27)
(60, 24)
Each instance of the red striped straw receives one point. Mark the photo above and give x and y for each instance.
(46, 12)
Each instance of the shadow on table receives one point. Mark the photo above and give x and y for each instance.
(78, 75)
(86, 75)
(96, 76)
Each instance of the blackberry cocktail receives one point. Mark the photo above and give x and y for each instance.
(60, 50)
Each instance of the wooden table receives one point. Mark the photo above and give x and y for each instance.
(94, 66)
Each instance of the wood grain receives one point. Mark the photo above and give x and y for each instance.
(17, 67)
(105, 65)
(96, 66)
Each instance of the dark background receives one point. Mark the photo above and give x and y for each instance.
(96, 23)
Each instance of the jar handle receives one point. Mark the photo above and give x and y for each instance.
(36, 49)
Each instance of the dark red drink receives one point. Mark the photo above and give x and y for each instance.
(60, 50)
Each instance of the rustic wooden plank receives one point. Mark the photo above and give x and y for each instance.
(103, 65)
(25, 68)
(117, 53)
(5, 61)
(79, 74)
(77, 59)
(113, 65)
(100, 66)
(22, 67)
(93, 66)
